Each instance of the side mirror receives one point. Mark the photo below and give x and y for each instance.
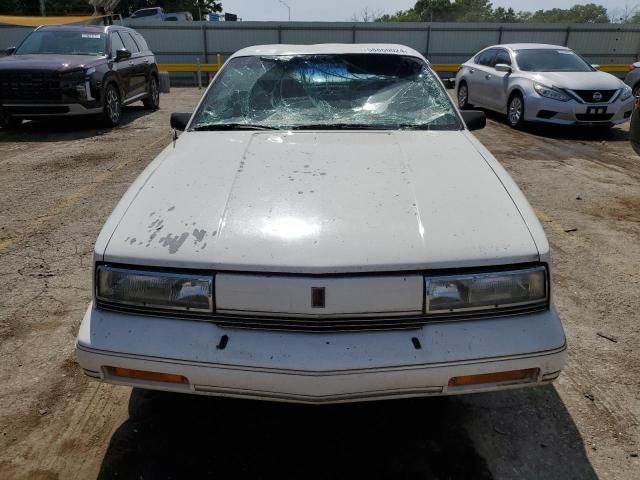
(474, 119)
(179, 121)
(503, 67)
(10, 51)
(595, 66)
(122, 54)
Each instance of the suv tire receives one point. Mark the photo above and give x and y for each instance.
(111, 106)
(152, 100)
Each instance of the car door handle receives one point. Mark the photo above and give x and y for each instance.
(146, 61)
(131, 64)
(487, 76)
(471, 70)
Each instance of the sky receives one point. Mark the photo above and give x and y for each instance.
(343, 10)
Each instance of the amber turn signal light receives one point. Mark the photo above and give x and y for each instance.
(144, 375)
(510, 376)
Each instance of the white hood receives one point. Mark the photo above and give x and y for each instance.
(318, 202)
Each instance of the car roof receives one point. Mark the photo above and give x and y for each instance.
(327, 49)
(84, 28)
(530, 46)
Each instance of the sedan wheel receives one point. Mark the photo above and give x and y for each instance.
(463, 96)
(515, 113)
(112, 108)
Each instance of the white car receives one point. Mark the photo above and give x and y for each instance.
(532, 82)
(326, 229)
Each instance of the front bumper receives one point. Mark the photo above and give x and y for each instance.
(320, 367)
(576, 113)
(36, 110)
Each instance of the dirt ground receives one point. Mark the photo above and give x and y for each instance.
(58, 183)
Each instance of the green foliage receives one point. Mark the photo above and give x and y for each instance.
(483, 11)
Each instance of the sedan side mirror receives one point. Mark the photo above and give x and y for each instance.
(179, 121)
(595, 66)
(122, 54)
(474, 119)
(10, 50)
(503, 67)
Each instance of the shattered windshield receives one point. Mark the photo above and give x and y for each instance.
(326, 91)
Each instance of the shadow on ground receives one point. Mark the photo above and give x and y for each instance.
(567, 132)
(184, 436)
(68, 128)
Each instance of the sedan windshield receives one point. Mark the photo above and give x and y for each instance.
(348, 91)
(551, 60)
(63, 42)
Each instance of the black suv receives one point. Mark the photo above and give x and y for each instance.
(77, 70)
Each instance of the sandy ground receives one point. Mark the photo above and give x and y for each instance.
(58, 183)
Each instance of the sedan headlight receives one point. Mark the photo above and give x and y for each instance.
(551, 92)
(154, 289)
(486, 291)
(626, 92)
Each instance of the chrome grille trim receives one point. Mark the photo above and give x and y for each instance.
(322, 324)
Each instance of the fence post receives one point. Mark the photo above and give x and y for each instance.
(500, 35)
(279, 33)
(353, 33)
(198, 73)
(566, 37)
(204, 43)
(426, 54)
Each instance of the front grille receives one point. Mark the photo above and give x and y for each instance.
(319, 324)
(587, 96)
(594, 117)
(30, 86)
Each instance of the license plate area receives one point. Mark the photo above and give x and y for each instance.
(596, 110)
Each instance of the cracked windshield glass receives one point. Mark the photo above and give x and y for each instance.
(326, 91)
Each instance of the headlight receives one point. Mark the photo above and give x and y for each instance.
(626, 92)
(90, 71)
(550, 92)
(486, 291)
(154, 289)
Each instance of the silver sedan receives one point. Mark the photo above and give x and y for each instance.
(532, 82)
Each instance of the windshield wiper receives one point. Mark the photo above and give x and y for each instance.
(231, 126)
(340, 126)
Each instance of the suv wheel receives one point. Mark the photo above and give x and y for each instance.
(515, 111)
(152, 101)
(463, 96)
(111, 106)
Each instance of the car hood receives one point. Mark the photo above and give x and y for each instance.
(580, 80)
(58, 63)
(318, 202)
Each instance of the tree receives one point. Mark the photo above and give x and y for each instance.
(366, 15)
(588, 13)
(501, 15)
(483, 11)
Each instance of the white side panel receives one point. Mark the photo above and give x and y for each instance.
(291, 295)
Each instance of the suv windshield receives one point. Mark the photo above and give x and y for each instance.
(326, 91)
(63, 42)
(550, 60)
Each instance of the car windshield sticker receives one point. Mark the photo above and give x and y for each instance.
(90, 35)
